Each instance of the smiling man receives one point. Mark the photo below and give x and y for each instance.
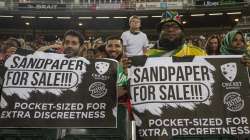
(114, 47)
(171, 40)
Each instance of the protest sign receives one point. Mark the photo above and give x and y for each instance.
(51, 90)
(201, 96)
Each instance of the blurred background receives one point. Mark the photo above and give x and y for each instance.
(38, 20)
(37, 23)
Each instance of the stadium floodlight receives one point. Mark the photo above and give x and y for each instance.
(63, 17)
(6, 16)
(85, 17)
(215, 14)
(27, 17)
(234, 13)
(80, 24)
(119, 17)
(46, 17)
(27, 23)
(102, 17)
(143, 16)
(156, 16)
(197, 15)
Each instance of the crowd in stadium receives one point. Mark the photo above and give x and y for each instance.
(135, 42)
(171, 42)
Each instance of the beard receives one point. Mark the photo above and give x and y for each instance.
(70, 52)
(115, 56)
(169, 45)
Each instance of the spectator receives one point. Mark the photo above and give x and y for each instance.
(171, 40)
(189, 41)
(83, 51)
(100, 52)
(135, 42)
(72, 40)
(22, 43)
(9, 47)
(233, 43)
(39, 42)
(98, 42)
(197, 41)
(213, 45)
(114, 48)
(91, 53)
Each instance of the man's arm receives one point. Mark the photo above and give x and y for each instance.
(54, 46)
(124, 43)
(145, 47)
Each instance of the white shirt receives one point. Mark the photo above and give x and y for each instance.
(134, 43)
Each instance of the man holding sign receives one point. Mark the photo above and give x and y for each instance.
(67, 90)
(168, 102)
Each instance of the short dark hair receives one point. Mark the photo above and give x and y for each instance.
(113, 38)
(12, 39)
(74, 33)
(11, 42)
